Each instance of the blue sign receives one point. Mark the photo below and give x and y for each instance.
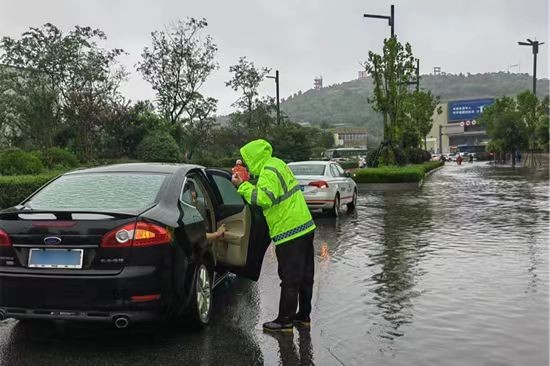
(467, 110)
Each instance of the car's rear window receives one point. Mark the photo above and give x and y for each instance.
(308, 169)
(100, 192)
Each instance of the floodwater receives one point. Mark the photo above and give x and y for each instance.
(455, 273)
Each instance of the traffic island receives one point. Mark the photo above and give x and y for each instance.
(393, 178)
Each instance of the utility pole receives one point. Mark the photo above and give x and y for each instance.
(535, 46)
(276, 77)
(390, 18)
(417, 74)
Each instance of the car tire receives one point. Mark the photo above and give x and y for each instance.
(335, 210)
(353, 203)
(199, 310)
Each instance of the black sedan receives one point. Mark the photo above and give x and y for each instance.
(127, 243)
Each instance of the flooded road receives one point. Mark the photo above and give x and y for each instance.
(453, 274)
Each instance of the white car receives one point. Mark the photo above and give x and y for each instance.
(325, 185)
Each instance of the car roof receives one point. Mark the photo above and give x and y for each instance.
(313, 162)
(166, 168)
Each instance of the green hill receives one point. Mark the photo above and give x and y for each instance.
(346, 103)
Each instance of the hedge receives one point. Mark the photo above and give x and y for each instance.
(392, 174)
(15, 188)
(19, 162)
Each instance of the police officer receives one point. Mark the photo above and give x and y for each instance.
(291, 228)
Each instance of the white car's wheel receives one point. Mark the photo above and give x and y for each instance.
(335, 210)
(353, 203)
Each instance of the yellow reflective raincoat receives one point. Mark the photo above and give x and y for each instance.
(277, 192)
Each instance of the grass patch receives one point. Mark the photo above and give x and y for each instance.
(393, 174)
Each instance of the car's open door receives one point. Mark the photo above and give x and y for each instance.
(247, 238)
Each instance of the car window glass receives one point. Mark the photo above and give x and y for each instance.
(195, 203)
(100, 192)
(334, 171)
(229, 193)
(340, 170)
(307, 169)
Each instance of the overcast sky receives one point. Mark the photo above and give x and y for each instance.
(307, 38)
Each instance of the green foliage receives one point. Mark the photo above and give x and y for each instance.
(391, 71)
(177, 65)
(352, 164)
(58, 159)
(14, 189)
(60, 84)
(290, 142)
(246, 78)
(158, 147)
(416, 155)
(420, 107)
(347, 102)
(505, 126)
(19, 162)
(392, 174)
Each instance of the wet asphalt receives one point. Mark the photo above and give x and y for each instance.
(455, 273)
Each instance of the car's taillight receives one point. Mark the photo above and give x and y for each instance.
(140, 234)
(5, 240)
(319, 184)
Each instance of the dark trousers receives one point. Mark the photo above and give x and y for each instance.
(296, 269)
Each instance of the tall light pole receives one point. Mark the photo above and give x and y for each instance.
(535, 46)
(390, 18)
(276, 77)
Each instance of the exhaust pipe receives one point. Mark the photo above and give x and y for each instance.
(121, 322)
(2, 315)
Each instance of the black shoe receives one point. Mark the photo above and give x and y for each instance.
(302, 320)
(278, 326)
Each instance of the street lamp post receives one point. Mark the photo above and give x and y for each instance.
(390, 18)
(276, 77)
(535, 46)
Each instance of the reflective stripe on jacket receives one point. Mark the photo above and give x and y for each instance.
(277, 192)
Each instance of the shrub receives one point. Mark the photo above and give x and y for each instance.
(158, 146)
(393, 174)
(389, 174)
(14, 189)
(417, 156)
(58, 158)
(352, 164)
(387, 157)
(19, 162)
(372, 157)
(227, 162)
(206, 161)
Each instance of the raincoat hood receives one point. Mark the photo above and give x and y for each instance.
(255, 154)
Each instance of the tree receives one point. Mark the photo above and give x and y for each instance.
(505, 126)
(247, 79)
(420, 107)
(391, 72)
(177, 65)
(290, 142)
(543, 125)
(59, 81)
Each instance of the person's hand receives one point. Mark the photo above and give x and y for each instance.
(221, 231)
(236, 180)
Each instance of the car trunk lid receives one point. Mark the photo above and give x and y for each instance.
(41, 233)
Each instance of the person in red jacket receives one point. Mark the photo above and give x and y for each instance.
(240, 170)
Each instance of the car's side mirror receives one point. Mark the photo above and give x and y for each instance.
(347, 174)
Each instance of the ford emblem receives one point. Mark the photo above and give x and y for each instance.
(52, 240)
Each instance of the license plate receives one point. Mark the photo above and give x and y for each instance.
(302, 188)
(56, 258)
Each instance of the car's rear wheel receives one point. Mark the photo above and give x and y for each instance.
(335, 210)
(199, 310)
(353, 203)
